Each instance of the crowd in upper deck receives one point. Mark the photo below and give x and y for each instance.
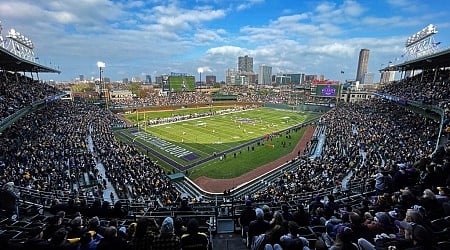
(174, 98)
(18, 91)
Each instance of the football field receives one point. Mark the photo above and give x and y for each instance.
(201, 140)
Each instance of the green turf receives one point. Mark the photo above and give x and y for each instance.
(209, 135)
(151, 115)
(247, 160)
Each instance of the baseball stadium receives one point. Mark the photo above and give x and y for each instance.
(233, 165)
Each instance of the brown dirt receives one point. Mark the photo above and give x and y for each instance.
(220, 185)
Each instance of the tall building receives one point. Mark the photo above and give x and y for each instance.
(363, 64)
(297, 78)
(81, 78)
(210, 79)
(148, 79)
(245, 64)
(265, 75)
(136, 79)
(310, 78)
(368, 78)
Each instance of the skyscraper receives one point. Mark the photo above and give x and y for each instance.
(363, 64)
(148, 79)
(245, 64)
(265, 75)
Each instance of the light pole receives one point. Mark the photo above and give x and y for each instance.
(200, 71)
(100, 66)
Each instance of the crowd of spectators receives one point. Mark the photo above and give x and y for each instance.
(78, 231)
(174, 98)
(361, 140)
(428, 87)
(50, 151)
(425, 87)
(18, 91)
(133, 174)
(246, 94)
(47, 149)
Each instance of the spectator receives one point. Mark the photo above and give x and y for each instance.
(89, 241)
(143, 237)
(344, 239)
(291, 241)
(287, 215)
(110, 240)
(193, 239)
(166, 239)
(257, 226)
(247, 215)
(8, 200)
(301, 217)
(59, 241)
(76, 228)
(268, 215)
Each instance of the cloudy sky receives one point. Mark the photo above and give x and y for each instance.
(136, 38)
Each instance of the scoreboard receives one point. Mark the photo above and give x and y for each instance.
(181, 83)
(325, 88)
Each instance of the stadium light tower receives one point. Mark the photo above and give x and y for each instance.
(422, 43)
(100, 66)
(200, 71)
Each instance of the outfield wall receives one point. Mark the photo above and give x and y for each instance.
(302, 107)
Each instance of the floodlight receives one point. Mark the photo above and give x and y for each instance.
(200, 70)
(101, 64)
(421, 35)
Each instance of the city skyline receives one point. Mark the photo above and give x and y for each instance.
(139, 38)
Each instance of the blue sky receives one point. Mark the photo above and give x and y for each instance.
(136, 38)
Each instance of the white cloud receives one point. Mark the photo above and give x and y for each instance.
(248, 4)
(287, 20)
(205, 36)
(406, 5)
(333, 49)
(326, 7)
(393, 21)
(352, 8)
(226, 50)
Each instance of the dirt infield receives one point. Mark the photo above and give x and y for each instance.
(220, 185)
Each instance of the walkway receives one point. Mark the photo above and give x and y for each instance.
(101, 169)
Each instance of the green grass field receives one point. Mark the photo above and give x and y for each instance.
(141, 116)
(205, 136)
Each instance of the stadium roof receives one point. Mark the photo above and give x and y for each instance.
(436, 60)
(11, 62)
